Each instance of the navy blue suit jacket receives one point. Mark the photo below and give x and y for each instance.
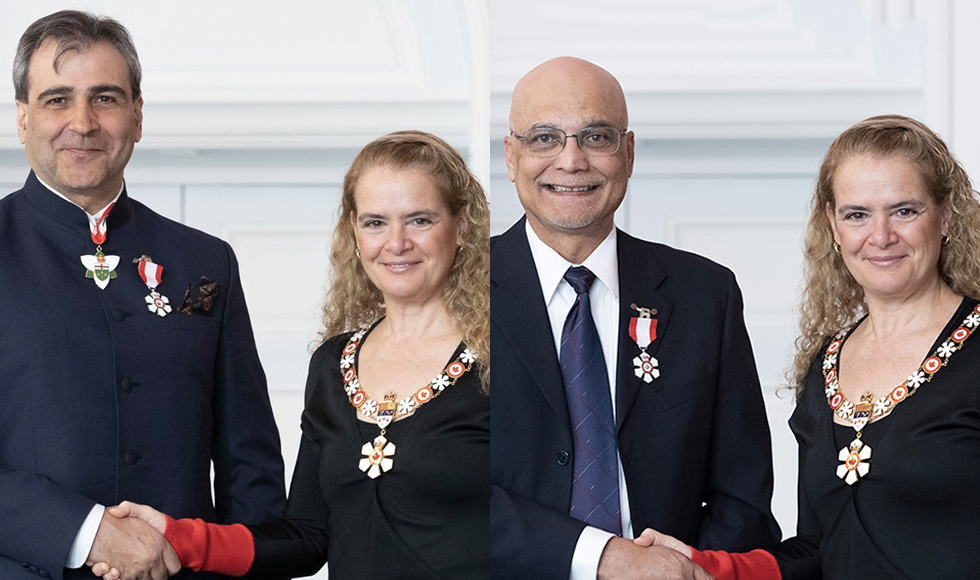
(103, 401)
(694, 443)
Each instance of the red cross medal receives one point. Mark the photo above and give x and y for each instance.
(643, 331)
(98, 266)
(151, 274)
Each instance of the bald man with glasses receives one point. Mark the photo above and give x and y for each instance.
(625, 394)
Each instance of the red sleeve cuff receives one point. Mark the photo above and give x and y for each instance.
(201, 546)
(754, 565)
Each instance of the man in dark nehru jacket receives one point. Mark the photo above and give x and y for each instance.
(127, 361)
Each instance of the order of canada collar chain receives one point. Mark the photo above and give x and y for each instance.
(377, 454)
(857, 455)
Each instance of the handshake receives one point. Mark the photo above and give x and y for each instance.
(129, 545)
(651, 556)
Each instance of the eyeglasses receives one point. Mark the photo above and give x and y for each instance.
(548, 141)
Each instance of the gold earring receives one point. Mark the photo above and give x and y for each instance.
(836, 247)
(944, 240)
(357, 251)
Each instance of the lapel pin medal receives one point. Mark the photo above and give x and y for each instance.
(151, 274)
(643, 331)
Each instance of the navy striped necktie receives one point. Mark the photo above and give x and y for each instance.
(595, 486)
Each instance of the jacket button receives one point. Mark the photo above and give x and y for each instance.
(125, 385)
(119, 314)
(563, 458)
(130, 458)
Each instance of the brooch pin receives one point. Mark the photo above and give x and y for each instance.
(643, 331)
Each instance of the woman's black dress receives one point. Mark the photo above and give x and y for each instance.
(916, 514)
(425, 519)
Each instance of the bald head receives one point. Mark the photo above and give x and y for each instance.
(569, 193)
(565, 88)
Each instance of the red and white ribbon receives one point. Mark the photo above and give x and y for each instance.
(99, 227)
(150, 273)
(643, 331)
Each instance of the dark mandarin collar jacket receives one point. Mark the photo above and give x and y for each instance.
(102, 401)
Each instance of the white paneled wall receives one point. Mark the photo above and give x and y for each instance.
(253, 112)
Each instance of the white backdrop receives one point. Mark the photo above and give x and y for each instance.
(253, 111)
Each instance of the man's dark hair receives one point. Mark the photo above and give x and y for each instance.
(73, 30)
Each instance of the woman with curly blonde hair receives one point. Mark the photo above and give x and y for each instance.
(887, 481)
(832, 298)
(392, 477)
(354, 301)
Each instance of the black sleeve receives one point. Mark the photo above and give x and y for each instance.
(296, 545)
(799, 557)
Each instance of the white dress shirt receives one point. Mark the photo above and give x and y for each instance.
(604, 296)
(85, 537)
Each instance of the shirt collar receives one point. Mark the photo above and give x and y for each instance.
(552, 266)
(93, 218)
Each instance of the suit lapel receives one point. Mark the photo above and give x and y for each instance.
(518, 310)
(640, 274)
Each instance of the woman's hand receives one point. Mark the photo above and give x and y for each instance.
(156, 519)
(651, 537)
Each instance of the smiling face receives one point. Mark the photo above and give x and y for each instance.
(571, 193)
(80, 123)
(888, 227)
(405, 233)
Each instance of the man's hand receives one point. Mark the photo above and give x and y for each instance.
(623, 560)
(134, 548)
